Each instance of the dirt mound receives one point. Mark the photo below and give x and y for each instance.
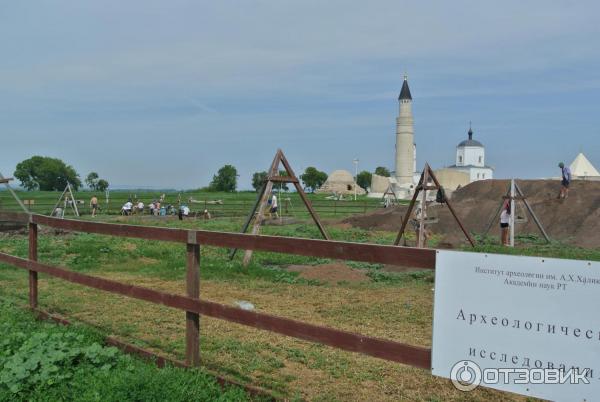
(330, 273)
(574, 220)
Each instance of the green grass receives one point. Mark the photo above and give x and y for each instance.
(42, 361)
(236, 204)
(533, 245)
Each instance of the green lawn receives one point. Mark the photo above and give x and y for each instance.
(236, 204)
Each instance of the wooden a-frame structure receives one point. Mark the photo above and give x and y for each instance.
(64, 195)
(261, 205)
(514, 194)
(427, 182)
(388, 194)
(5, 181)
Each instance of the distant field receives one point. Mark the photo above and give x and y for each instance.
(236, 204)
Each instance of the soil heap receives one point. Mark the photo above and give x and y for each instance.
(575, 220)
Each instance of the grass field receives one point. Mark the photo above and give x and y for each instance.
(390, 305)
(236, 204)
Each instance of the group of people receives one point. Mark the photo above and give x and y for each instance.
(155, 208)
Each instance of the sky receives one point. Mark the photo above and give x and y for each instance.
(163, 93)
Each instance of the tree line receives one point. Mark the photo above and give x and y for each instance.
(52, 174)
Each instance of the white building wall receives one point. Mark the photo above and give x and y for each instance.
(474, 156)
(476, 173)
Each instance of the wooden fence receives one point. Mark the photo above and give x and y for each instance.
(194, 307)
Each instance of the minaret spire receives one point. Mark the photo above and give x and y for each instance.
(405, 144)
(405, 91)
(470, 131)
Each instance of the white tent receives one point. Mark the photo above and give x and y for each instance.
(582, 167)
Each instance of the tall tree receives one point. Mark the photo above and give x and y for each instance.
(313, 178)
(225, 179)
(46, 174)
(258, 178)
(92, 179)
(95, 183)
(364, 179)
(382, 171)
(101, 185)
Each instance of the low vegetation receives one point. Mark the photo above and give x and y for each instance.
(42, 361)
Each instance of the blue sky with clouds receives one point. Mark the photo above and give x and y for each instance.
(157, 93)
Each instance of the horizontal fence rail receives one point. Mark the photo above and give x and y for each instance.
(373, 253)
(385, 349)
(194, 306)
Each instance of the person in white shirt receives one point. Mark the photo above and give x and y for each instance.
(274, 206)
(505, 223)
(140, 207)
(126, 210)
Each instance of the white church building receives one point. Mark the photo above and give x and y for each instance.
(470, 159)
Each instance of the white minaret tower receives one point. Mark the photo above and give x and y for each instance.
(405, 138)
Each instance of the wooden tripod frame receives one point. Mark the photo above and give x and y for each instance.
(389, 192)
(258, 211)
(68, 190)
(5, 181)
(424, 185)
(514, 194)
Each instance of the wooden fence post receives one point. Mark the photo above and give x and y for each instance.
(192, 328)
(33, 256)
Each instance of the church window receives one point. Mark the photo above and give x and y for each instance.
(480, 159)
(478, 175)
(460, 159)
(483, 175)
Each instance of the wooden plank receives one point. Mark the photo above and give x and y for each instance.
(284, 179)
(140, 232)
(421, 238)
(260, 216)
(192, 319)
(408, 212)
(381, 348)
(374, 253)
(262, 203)
(15, 196)
(250, 216)
(33, 256)
(21, 217)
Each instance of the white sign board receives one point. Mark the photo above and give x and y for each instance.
(528, 325)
